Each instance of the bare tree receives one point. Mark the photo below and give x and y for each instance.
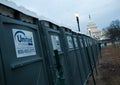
(114, 30)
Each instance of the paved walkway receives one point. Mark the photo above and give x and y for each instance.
(108, 67)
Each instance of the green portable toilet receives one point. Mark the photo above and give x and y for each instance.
(78, 51)
(71, 55)
(90, 50)
(82, 45)
(52, 40)
(94, 50)
(21, 56)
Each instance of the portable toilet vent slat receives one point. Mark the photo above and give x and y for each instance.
(6, 11)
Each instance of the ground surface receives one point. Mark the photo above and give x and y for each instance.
(108, 67)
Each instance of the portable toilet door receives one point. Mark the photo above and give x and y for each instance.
(71, 55)
(53, 40)
(90, 51)
(79, 56)
(49, 38)
(84, 56)
(83, 62)
(83, 37)
(21, 52)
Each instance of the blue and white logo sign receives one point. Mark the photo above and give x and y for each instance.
(55, 42)
(24, 43)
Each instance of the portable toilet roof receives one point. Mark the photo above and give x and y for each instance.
(21, 9)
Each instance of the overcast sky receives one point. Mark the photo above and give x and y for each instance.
(63, 11)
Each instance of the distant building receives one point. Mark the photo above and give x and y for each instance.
(94, 32)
